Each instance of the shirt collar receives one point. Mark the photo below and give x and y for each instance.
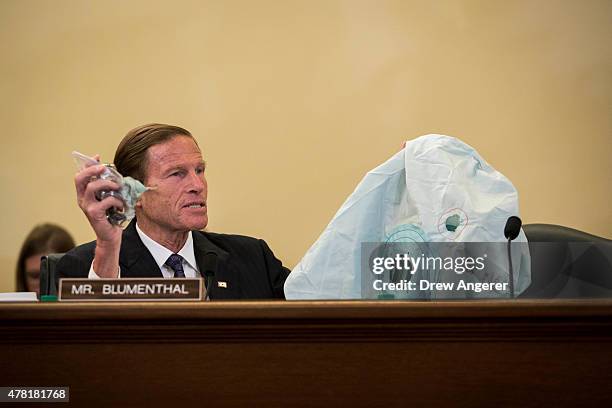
(161, 253)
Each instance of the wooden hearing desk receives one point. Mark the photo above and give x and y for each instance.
(340, 353)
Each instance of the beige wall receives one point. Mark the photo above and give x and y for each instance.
(293, 101)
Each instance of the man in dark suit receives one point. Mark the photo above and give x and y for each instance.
(165, 238)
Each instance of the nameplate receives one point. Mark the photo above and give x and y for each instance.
(136, 289)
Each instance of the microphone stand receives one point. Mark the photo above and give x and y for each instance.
(511, 231)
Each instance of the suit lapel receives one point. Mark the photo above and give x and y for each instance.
(226, 283)
(135, 259)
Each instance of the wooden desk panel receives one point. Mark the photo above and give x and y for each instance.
(478, 353)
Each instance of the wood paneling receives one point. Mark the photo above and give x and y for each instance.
(480, 353)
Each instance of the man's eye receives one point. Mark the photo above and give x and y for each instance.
(200, 170)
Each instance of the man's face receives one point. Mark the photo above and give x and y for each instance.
(178, 204)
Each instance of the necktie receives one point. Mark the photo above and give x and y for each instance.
(175, 262)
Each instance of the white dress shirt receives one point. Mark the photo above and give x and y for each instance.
(161, 255)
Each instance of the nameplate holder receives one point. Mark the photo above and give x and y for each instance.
(133, 289)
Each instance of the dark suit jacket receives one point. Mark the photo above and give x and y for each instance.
(246, 264)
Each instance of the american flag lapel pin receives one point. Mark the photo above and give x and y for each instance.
(222, 284)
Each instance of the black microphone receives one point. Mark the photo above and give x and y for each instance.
(511, 231)
(210, 269)
(513, 227)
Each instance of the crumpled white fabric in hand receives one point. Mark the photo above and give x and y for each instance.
(436, 189)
